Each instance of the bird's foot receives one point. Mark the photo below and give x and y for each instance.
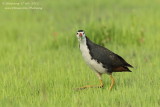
(90, 86)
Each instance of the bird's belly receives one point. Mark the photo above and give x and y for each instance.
(98, 67)
(93, 64)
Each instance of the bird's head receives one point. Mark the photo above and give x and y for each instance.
(80, 35)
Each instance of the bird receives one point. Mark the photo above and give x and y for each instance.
(101, 60)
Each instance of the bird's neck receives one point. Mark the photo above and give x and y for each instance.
(83, 41)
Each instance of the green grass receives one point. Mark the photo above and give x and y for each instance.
(40, 63)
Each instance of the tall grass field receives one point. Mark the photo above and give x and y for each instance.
(40, 60)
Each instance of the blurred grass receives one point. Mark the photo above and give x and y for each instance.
(41, 64)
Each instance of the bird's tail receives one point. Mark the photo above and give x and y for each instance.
(121, 69)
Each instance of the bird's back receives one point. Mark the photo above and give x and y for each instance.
(110, 60)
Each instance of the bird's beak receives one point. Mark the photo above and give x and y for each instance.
(80, 34)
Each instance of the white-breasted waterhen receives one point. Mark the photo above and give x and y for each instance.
(100, 59)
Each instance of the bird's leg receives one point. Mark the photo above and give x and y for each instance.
(99, 75)
(93, 86)
(112, 82)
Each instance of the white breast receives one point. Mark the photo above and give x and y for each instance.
(91, 62)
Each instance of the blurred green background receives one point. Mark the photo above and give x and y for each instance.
(40, 62)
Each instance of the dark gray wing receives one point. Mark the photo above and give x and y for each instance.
(105, 56)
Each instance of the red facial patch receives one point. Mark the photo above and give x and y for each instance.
(80, 34)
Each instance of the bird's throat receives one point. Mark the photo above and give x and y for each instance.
(82, 40)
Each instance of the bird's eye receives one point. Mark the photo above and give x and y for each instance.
(77, 33)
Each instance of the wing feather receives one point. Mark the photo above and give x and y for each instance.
(107, 57)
